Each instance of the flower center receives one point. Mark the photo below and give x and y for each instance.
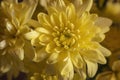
(64, 38)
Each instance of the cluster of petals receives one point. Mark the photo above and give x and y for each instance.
(67, 38)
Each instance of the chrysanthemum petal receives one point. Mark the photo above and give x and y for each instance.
(99, 37)
(95, 56)
(43, 30)
(54, 19)
(44, 19)
(104, 51)
(20, 53)
(77, 60)
(3, 44)
(70, 11)
(62, 60)
(52, 10)
(67, 68)
(40, 55)
(44, 38)
(31, 35)
(31, 8)
(53, 58)
(86, 6)
(34, 23)
(50, 47)
(62, 18)
(91, 67)
(103, 23)
(10, 27)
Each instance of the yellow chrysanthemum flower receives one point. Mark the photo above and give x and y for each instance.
(13, 25)
(70, 38)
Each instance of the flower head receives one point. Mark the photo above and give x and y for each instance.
(13, 24)
(71, 39)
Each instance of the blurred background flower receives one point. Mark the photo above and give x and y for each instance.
(108, 8)
(13, 25)
(113, 71)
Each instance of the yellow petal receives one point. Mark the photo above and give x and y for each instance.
(54, 19)
(44, 38)
(29, 9)
(53, 58)
(62, 60)
(50, 47)
(67, 68)
(52, 10)
(40, 55)
(62, 18)
(44, 20)
(86, 6)
(104, 51)
(35, 42)
(77, 3)
(70, 11)
(3, 44)
(103, 23)
(31, 35)
(99, 37)
(10, 27)
(77, 60)
(34, 23)
(92, 68)
(95, 56)
(20, 53)
(43, 30)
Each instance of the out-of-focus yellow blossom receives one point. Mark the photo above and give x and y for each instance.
(114, 72)
(108, 8)
(70, 40)
(13, 25)
(113, 60)
(109, 75)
